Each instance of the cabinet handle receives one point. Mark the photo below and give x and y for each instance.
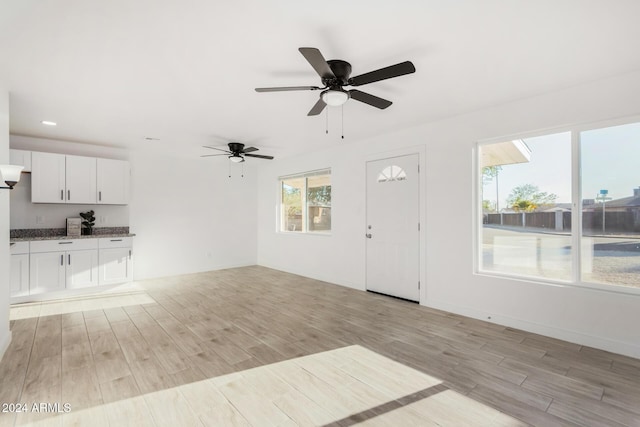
(129, 254)
(69, 259)
(61, 259)
(68, 194)
(61, 194)
(116, 240)
(65, 243)
(99, 196)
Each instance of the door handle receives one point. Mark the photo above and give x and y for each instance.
(368, 235)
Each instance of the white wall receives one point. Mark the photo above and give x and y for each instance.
(5, 334)
(600, 319)
(189, 216)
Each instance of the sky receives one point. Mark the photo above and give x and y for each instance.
(610, 160)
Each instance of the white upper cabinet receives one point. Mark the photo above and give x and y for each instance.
(81, 179)
(113, 182)
(48, 178)
(20, 158)
(59, 178)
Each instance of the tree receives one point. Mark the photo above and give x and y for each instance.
(528, 198)
(488, 206)
(489, 173)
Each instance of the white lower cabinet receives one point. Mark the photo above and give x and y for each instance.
(43, 266)
(55, 265)
(19, 280)
(116, 260)
(47, 272)
(82, 269)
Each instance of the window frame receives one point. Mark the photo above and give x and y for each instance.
(305, 210)
(576, 199)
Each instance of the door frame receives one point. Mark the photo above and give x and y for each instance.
(421, 151)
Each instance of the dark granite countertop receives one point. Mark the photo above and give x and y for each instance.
(33, 234)
(92, 236)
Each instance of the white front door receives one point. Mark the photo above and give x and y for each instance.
(392, 229)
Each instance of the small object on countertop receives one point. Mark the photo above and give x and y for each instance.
(74, 226)
(89, 220)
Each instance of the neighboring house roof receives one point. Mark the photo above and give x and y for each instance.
(625, 202)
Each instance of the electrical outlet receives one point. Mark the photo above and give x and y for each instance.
(39, 219)
(102, 219)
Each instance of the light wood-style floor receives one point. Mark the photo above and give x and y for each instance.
(254, 346)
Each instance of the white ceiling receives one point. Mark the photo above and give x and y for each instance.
(114, 72)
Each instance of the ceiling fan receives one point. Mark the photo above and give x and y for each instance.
(237, 152)
(335, 74)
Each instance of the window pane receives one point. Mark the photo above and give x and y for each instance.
(526, 207)
(292, 194)
(611, 205)
(319, 203)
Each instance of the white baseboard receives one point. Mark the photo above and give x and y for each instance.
(602, 343)
(321, 278)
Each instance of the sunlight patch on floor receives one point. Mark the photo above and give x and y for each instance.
(349, 383)
(75, 305)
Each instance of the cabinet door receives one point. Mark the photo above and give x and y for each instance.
(113, 182)
(82, 269)
(116, 266)
(19, 275)
(81, 179)
(47, 178)
(46, 272)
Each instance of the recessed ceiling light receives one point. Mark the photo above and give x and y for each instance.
(48, 123)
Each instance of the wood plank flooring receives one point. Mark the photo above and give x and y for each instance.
(254, 346)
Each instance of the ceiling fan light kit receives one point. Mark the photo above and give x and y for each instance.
(335, 97)
(335, 74)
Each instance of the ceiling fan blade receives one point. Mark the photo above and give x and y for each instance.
(214, 148)
(285, 88)
(317, 61)
(383, 74)
(317, 108)
(258, 156)
(250, 149)
(214, 155)
(369, 99)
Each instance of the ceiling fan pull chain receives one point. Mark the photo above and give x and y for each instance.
(326, 126)
(229, 163)
(242, 172)
(342, 111)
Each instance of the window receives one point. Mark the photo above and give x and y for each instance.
(306, 202)
(392, 173)
(528, 192)
(611, 205)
